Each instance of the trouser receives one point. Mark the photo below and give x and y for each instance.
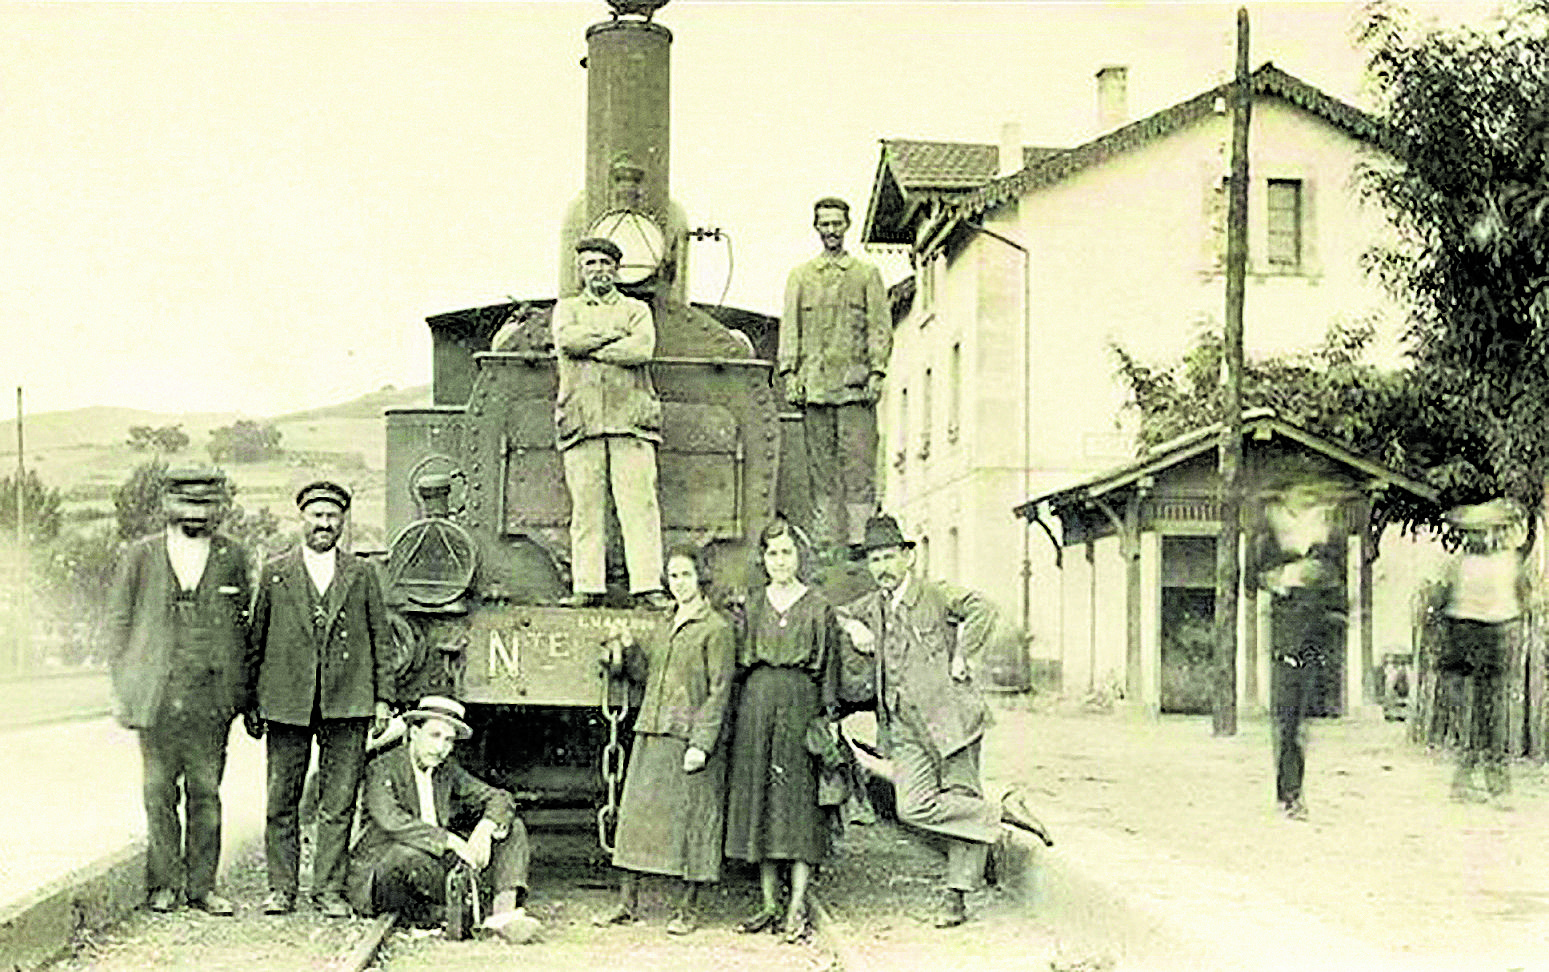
(184, 757)
(625, 467)
(411, 882)
(341, 757)
(943, 796)
(1295, 686)
(1477, 653)
(841, 461)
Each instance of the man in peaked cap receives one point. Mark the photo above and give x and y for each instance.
(926, 636)
(608, 423)
(410, 859)
(321, 667)
(176, 619)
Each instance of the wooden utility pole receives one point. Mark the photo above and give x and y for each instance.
(1230, 451)
(23, 558)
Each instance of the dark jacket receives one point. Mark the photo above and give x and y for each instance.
(687, 672)
(914, 679)
(390, 814)
(349, 653)
(140, 627)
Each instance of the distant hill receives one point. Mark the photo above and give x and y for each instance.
(367, 406)
(85, 452)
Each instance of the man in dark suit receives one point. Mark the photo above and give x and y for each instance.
(322, 667)
(414, 797)
(177, 614)
(930, 716)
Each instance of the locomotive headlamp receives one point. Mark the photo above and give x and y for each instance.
(639, 237)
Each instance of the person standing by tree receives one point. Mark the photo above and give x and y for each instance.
(177, 613)
(789, 681)
(835, 339)
(320, 667)
(673, 811)
(1485, 591)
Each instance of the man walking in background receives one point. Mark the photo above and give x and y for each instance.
(323, 668)
(176, 622)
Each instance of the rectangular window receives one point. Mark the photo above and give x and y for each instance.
(1284, 225)
(925, 278)
(903, 430)
(954, 392)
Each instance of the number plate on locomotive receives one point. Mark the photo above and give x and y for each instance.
(543, 655)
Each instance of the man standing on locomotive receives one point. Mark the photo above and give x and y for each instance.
(608, 423)
(321, 666)
(835, 339)
(176, 619)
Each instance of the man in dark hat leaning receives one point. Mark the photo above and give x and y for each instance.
(608, 423)
(322, 667)
(926, 636)
(176, 619)
(410, 859)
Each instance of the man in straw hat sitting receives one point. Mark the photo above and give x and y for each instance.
(930, 716)
(410, 860)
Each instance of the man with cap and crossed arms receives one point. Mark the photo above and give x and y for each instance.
(608, 423)
(176, 621)
(322, 666)
(410, 860)
(930, 716)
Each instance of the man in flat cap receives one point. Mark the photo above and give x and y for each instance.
(926, 637)
(608, 423)
(177, 616)
(322, 665)
(835, 338)
(416, 855)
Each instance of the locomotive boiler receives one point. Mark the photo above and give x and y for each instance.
(476, 500)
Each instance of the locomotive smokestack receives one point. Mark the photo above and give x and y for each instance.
(626, 196)
(627, 113)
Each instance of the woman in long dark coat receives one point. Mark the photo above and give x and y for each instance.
(672, 814)
(787, 663)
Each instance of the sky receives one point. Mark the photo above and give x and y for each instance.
(253, 207)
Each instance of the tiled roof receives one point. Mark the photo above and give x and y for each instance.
(949, 165)
(1267, 80)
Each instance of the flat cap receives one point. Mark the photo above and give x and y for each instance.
(196, 484)
(600, 244)
(323, 489)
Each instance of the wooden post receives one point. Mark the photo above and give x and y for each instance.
(1230, 450)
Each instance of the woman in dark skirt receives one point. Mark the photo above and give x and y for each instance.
(787, 666)
(672, 814)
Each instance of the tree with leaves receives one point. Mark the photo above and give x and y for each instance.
(40, 511)
(1467, 187)
(245, 441)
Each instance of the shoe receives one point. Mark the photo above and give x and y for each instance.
(516, 927)
(763, 921)
(953, 911)
(214, 904)
(620, 915)
(1294, 809)
(1014, 813)
(163, 900)
(654, 600)
(682, 924)
(793, 932)
(278, 903)
(333, 905)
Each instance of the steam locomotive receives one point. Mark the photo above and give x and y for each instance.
(476, 501)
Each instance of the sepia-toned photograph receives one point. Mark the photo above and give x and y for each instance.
(813, 485)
